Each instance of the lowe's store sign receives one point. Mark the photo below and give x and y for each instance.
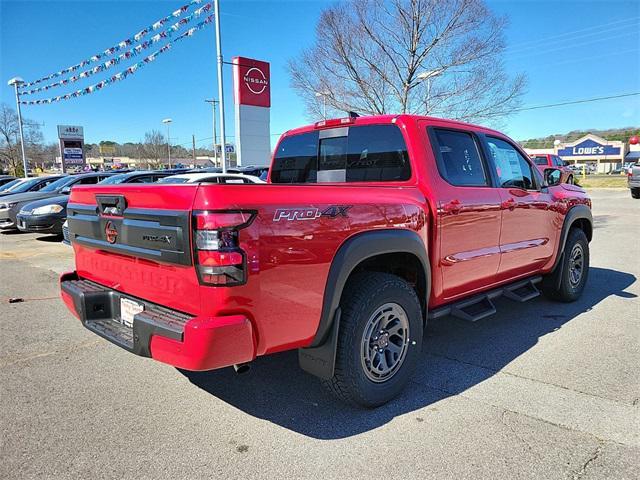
(589, 147)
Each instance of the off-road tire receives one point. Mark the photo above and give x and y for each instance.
(363, 297)
(566, 288)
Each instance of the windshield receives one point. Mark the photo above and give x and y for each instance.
(58, 184)
(10, 185)
(114, 180)
(173, 180)
(24, 185)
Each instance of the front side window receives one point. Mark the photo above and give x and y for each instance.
(370, 153)
(459, 160)
(511, 167)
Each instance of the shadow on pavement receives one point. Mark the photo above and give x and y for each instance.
(53, 238)
(275, 389)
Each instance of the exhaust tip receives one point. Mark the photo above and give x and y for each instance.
(241, 368)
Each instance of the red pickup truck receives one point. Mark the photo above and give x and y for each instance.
(367, 228)
(545, 160)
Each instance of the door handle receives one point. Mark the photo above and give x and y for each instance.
(452, 207)
(508, 204)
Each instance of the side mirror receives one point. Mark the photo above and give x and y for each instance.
(552, 177)
(65, 190)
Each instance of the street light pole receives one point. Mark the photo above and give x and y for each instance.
(213, 103)
(168, 121)
(428, 75)
(16, 82)
(323, 94)
(223, 139)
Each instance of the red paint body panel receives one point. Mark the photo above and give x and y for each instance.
(476, 238)
(208, 344)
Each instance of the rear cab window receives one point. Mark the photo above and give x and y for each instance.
(366, 153)
(540, 160)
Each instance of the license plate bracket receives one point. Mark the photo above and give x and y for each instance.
(128, 309)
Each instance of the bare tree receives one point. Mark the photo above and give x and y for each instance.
(10, 152)
(154, 148)
(435, 57)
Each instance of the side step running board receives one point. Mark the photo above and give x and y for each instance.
(481, 306)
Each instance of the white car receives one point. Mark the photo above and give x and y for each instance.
(211, 178)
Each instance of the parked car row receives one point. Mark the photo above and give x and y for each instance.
(39, 205)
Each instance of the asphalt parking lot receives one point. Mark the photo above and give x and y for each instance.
(542, 390)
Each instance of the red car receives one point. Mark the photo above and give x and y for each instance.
(368, 228)
(545, 161)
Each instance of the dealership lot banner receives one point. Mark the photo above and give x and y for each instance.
(252, 97)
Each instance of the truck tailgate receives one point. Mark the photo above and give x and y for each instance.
(136, 239)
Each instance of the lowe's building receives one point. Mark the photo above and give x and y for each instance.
(604, 155)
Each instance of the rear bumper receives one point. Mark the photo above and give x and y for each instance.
(175, 338)
(634, 183)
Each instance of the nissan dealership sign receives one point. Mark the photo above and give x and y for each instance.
(251, 82)
(252, 96)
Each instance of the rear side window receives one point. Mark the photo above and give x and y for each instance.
(362, 154)
(89, 180)
(459, 159)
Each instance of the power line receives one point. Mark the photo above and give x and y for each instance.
(572, 102)
(543, 50)
(573, 32)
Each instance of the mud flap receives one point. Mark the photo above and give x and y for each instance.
(321, 360)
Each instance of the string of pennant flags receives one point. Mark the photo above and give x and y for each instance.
(133, 52)
(124, 73)
(119, 46)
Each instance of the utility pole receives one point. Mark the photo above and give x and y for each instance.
(193, 140)
(223, 141)
(213, 103)
(16, 82)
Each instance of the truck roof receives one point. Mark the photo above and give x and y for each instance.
(377, 119)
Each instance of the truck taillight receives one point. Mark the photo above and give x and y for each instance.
(219, 259)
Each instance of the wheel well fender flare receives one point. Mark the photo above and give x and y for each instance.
(357, 249)
(576, 213)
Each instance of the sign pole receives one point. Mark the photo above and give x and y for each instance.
(215, 141)
(220, 88)
(24, 156)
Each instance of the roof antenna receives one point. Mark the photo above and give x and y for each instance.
(353, 115)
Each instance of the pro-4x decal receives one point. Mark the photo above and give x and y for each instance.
(310, 213)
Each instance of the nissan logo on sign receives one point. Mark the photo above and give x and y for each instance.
(256, 80)
(251, 82)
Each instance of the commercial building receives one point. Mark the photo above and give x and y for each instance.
(604, 155)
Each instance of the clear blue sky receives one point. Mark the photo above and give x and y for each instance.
(569, 50)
